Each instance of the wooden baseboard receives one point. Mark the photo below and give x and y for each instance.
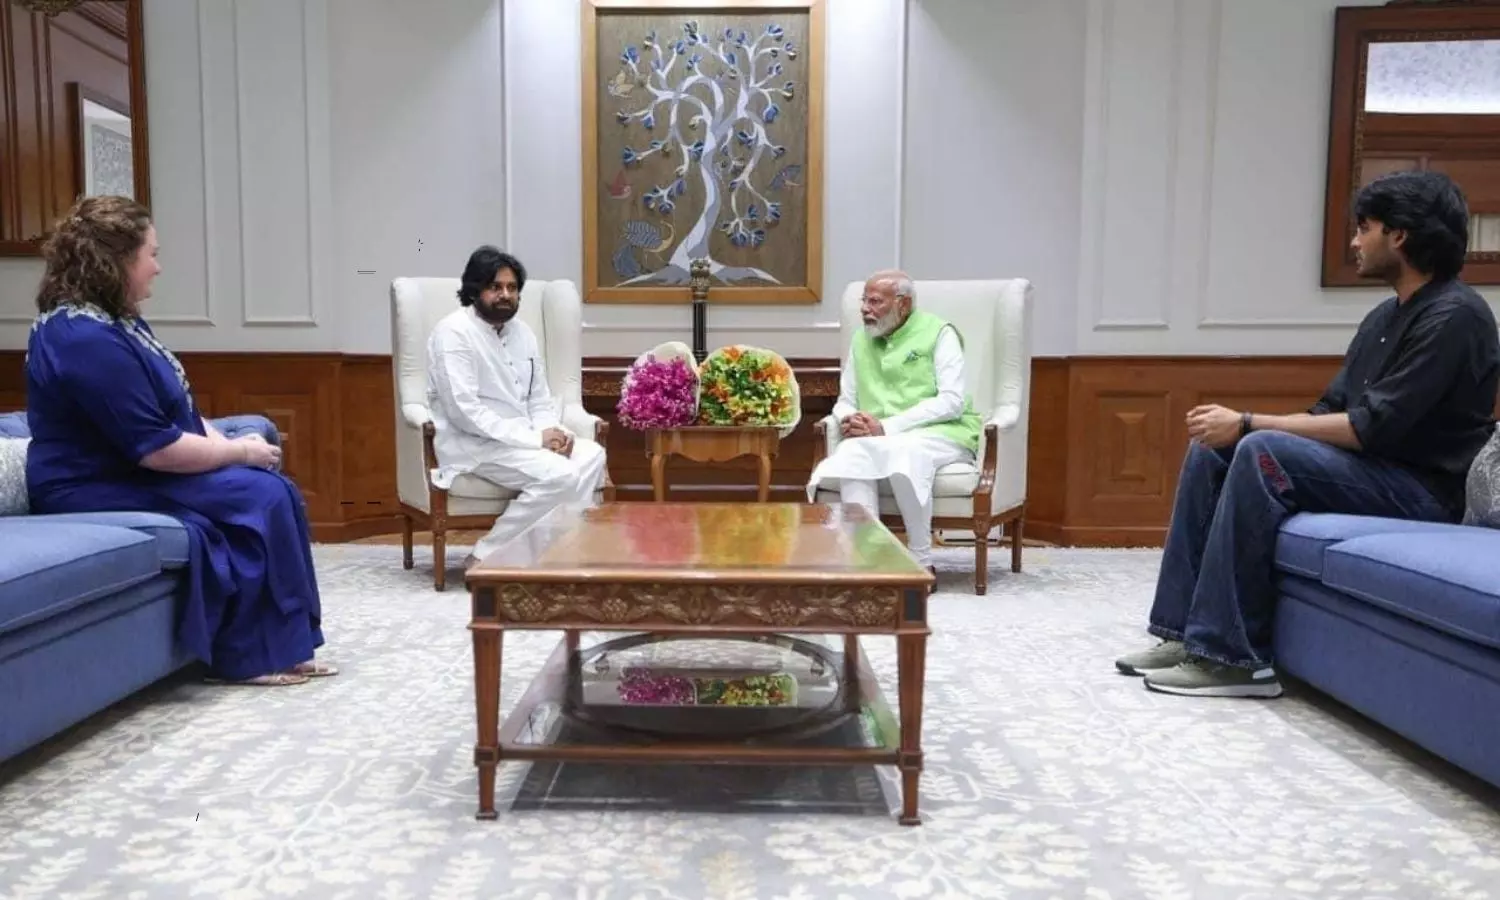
(1106, 433)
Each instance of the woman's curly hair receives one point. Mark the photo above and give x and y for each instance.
(89, 254)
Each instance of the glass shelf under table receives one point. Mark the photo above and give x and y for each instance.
(654, 688)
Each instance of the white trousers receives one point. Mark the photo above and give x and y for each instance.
(546, 481)
(907, 462)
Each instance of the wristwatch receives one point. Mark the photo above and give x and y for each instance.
(1244, 423)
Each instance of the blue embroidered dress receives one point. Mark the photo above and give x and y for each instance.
(102, 394)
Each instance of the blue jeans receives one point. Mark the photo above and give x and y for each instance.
(1216, 592)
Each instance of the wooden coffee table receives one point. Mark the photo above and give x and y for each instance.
(761, 573)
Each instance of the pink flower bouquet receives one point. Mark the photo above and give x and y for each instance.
(659, 391)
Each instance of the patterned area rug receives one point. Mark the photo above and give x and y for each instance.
(1047, 776)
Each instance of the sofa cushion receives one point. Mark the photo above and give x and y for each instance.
(1304, 537)
(171, 535)
(13, 498)
(1482, 486)
(48, 568)
(14, 424)
(1446, 580)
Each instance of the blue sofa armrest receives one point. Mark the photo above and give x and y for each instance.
(238, 426)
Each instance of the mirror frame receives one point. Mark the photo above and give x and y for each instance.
(1355, 28)
(135, 41)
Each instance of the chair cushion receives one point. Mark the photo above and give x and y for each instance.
(14, 500)
(471, 487)
(171, 535)
(1306, 536)
(1448, 580)
(49, 568)
(472, 496)
(955, 481)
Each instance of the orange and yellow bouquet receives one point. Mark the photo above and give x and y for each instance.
(741, 385)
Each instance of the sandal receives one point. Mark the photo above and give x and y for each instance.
(275, 679)
(314, 669)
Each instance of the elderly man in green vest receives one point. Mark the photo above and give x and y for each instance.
(902, 409)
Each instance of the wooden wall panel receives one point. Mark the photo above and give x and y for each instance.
(1107, 434)
(42, 58)
(333, 413)
(1125, 424)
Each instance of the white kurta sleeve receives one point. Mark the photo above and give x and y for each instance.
(455, 376)
(948, 363)
(540, 404)
(848, 402)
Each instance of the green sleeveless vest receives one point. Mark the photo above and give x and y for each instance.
(894, 373)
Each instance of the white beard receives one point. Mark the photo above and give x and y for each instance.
(884, 325)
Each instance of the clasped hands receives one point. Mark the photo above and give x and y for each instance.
(860, 424)
(255, 450)
(1213, 426)
(558, 441)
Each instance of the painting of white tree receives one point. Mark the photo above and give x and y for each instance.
(703, 150)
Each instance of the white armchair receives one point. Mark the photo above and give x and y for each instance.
(554, 311)
(995, 320)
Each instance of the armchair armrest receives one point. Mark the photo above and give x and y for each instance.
(585, 424)
(416, 415)
(825, 437)
(1002, 462)
(581, 422)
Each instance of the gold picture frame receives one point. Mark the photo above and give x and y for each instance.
(703, 139)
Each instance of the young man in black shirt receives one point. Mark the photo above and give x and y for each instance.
(1393, 436)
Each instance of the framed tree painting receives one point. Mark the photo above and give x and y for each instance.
(703, 139)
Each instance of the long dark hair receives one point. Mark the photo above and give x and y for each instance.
(89, 253)
(484, 264)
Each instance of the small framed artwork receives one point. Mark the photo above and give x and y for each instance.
(703, 141)
(103, 148)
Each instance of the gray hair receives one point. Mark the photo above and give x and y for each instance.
(904, 288)
(899, 281)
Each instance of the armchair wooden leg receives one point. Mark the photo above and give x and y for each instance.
(1015, 543)
(406, 540)
(439, 554)
(982, 555)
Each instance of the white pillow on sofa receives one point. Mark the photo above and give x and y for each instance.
(13, 499)
(1482, 487)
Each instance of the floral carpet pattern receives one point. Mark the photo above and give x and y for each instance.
(1048, 776)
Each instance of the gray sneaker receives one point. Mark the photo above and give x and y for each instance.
(1163, 656)
(1204, 678)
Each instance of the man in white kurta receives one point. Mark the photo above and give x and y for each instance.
(495, 417)
(902, 411)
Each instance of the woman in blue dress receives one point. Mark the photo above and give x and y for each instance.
(114, 427)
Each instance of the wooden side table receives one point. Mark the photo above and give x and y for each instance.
(711, 443)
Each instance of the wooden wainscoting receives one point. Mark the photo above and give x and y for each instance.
(335, 415)
(1106, 433)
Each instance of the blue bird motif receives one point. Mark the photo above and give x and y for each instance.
(786, 178)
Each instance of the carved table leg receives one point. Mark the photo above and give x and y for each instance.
(911, 667)
(851, 671)
(764, 492)
(488, 647)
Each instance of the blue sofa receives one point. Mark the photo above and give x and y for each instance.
(88, 606)
(1401, 622)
